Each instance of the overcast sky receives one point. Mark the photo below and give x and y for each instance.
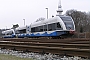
(14, 11)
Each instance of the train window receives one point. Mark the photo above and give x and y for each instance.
(58, 25)
(22, 31)
(33, 29)
(45, 28)
(36, 29)
(40, 28)
(54, 26)
(69, 25)
(49, 27)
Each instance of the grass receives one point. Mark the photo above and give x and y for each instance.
(9, 57)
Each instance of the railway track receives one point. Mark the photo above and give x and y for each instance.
(64, 45)
(72, 47)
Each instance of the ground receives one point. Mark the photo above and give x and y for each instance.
(9, 57)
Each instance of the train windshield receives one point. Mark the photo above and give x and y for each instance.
(69, 25)
(66, 18)
(68, 22)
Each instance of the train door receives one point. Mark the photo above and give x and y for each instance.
(28, 29)
(45, 29)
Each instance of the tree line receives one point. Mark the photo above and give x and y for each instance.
(81, 20)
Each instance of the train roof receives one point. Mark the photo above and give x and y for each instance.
(46, 21)
(59, 18)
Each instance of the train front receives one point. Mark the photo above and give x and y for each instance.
(69, 25)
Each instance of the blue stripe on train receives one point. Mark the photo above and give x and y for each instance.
(56, 33)
(10, 36)
(44, 34)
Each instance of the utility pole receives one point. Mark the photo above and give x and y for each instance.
(24, 21)
(47, 13)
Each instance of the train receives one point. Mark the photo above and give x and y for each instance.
(55, 27)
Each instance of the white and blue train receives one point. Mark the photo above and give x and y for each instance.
(54, 27)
